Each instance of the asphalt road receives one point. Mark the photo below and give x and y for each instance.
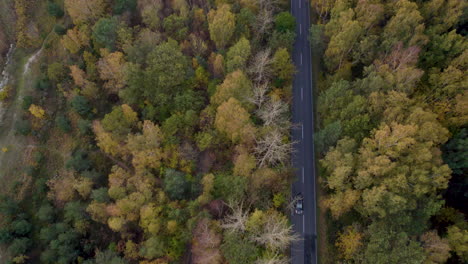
(305, 250)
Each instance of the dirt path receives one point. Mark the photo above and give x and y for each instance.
(12, 146)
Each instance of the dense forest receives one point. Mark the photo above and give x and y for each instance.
(393, 110)
(157, 132)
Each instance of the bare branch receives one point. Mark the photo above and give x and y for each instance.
(273, 149)
(259, 94)
(277, 234)
(260, 66)
(274, 113)
(236, 221)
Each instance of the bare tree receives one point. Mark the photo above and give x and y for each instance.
(273, 149)
(277, 234)
(274, 113)
(264, 21)
(236, 221)
(260, 95)
(206, 242)
(265, 16)
(260, 66)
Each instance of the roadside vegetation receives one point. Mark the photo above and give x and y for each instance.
(392, 138)
(160, 133)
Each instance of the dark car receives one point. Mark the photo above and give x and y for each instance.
(299, 205)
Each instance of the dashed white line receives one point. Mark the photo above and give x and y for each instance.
(302, 93)
(300, 29)
(302, 174)
(302, 131)
(301, 58)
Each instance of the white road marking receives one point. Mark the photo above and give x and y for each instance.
(302, 131)
(302, 93)
(300, 29)
(302, 174)
(299, 4)
(301, 58)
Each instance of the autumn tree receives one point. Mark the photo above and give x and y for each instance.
(76, 38)
(112, 69)
(437, 249)
(458, 238)
(282, 66)
(221, 25)
(234, 121)
(349, 242)
(236, 85)
(37, 111)
(238, 55)
(84, 11)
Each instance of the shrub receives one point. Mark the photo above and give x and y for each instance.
(63, 123)
(23, 127)
(54, 9)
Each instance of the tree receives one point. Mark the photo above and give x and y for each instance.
(205, 243)
(341, 42)
(238, 250)
(160, 81)
(120, 6)
(238, 55)
(79, 161)
(328, 136)
(275, 232)
(273, 149)
(85, 11)
(21, 227)
(282, 65)
(63, 123)
(76, 38)
(176, 26)
(78, 75)
(406, 25)
(56, 72)
(260, 67)
(37, 111)
(349, 242)
(150, 10)
(237, 86)
(54, 9)
(437, 250)
(81, 105)
(458, 240)
(244, 163)
(403, 249)
(112, 69)
(285, 22)
(19, 246)
(105, 32)
(234, 121)
(23, 127)
(221, 23)
(152, 248)
(281, 40)
(175, 184)
(121, 121)
(46, 213)
(316, 38)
